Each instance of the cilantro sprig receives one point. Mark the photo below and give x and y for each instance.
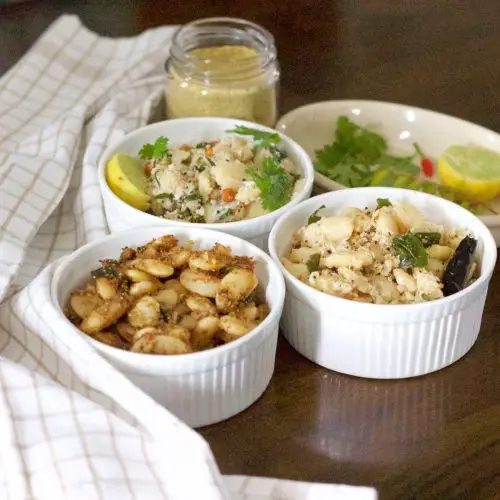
(314, 217)
(156, 151)
(383, 202)
(262, 139)
(357, 153)
(274, 184)
(313, 262)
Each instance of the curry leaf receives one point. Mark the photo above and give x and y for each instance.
(410, 250)
(428, 239)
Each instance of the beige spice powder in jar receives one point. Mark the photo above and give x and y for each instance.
(223, 67)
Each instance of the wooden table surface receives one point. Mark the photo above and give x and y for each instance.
(436, 436)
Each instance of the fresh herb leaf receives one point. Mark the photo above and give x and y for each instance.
(104, 272)
(164, 196)
(258, 135)
(156, 178)
(399, 164)
(419, 152)
(428, 239)
(202, 145)
(313, 262)
(410, 250)
(155, 151)
(314, 217)
(356, 154)
(226, 212)
(192, 197)
(383, 202)
(274, 184)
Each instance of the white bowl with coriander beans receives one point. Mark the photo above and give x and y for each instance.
(204, 384)
(400, 126)
(213, 173)
(406, 335)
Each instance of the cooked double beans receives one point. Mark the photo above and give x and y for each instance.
(168, 298)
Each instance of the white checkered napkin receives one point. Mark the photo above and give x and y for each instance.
(59, 107)
(71, 426)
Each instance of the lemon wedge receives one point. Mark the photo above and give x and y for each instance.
(473, 171)
(126, 178)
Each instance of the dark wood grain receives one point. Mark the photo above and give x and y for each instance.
(436, 436)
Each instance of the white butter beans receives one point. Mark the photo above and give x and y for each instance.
(167, 299)
(390, 254)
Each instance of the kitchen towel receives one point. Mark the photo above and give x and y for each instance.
(71, 426)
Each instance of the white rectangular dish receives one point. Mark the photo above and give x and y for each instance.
(313, 126)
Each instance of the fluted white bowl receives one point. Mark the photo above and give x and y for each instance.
(122, 216)
(200, 388)
(378, 340)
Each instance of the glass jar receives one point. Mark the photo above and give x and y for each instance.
(223, 67)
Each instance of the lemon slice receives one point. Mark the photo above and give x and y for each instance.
(471, 170)
(126, 178)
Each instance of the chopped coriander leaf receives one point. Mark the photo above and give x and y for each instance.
(399, 164)
(202, 145)
(186, 161)
(164, 196)
(313, 262)
(156, 178)
(356, 154)
(225, 213)
(274, 184)
(192, 197)
(155, 151)
(410, 250)
(262, 138)
(383, 202)
(256, 134)
(314, 217)
(419, 152)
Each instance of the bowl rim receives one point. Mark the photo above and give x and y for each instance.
(326, 183)
(487, 240)
(306, 165)
(171, 361)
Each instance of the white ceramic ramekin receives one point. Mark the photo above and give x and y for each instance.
(200, 388)
(382, 341)
(121, 216)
